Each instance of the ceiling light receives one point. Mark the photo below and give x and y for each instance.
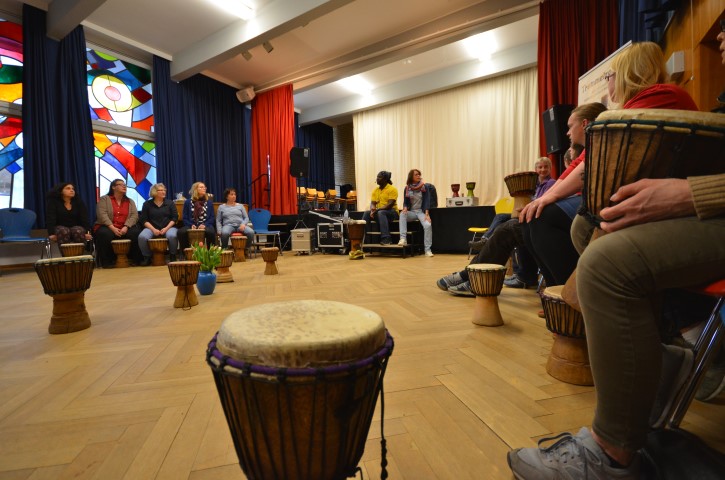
(481, 46)
(240, 8)
(356, 84)
(247, 55)
(268, 46)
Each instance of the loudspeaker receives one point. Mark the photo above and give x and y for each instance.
(246, 94)
(299, 165)
(555, 128)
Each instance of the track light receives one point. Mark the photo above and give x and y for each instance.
(247, 55)
(268, 46)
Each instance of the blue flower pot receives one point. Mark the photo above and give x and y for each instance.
(206, 283)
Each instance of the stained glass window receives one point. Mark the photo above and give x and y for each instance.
(11, 128)
(134, 161)
(119, 92)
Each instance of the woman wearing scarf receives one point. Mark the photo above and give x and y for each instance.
(416, 204)
(198, 214)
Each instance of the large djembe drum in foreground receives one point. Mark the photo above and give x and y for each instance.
(486, 281)
(521, 186)
(239, 243)
(184, 275)
(66, 280)
(223, 274)
(121, 249)
(196, 236)
(569, 357)
(72, 249)
(158, 247)
(298, 382)
(269, 255)
(356, 233)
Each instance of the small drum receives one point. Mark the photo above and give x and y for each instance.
(158, 248)
(72, 249)
(627, 145)
(356, 233)
(121, 249)
(486, 282)
(269, 255)
(569, 357)
(239, 243)
(189, 254)
(223, 274)
(521, 186)
(184, 275)
(470, 186)
(298, 382)
(66, 280)
(196, 236)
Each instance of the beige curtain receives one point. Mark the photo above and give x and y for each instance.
(475, 133)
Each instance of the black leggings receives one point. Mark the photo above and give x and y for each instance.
(548, 239)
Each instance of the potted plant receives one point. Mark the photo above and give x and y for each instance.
(209, 258)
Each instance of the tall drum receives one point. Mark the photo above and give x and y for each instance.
(184, 275)
(66, 280)
(522, 187)
(121, 249)
(298, 382)
(72, 249)
(269, 255)
(196, 236)
(486, 281)
(223, 274)
(239, 243)
(158, 247)
(356, 233)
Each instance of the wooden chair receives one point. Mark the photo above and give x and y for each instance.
(351, 199)
(311, 197)
(320, 199)
(331, 198)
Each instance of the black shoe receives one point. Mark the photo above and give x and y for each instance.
(145, 262)
(385, 241)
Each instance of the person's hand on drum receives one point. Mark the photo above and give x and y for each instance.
(534, 209)
(53, 238)
(648, 200)
(88, 236)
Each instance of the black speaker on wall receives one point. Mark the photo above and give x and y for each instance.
(555, 128)
(299, 162)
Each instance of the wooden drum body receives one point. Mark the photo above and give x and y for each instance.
(121, 249)
(486, 281)
(356, 233)
(158, 247)
(629, 145)
(189, 254)
(239, 243)
(184, 275)
(72, 249)
(223, 274)
(66, 280)
(569, 357)
(269, 255)
(298, 382)
(521, 186)
(196, 236)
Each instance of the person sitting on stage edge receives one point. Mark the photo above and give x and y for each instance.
(66, 216)
(159, 217)
(383, 206)
(116, 219)
(232, 217)
(198, 214)
(416, 204)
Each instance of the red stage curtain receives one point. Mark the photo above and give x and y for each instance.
(573, 37)
(273, 124)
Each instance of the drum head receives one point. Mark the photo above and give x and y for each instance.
(688, 117)
(554, 292)
(485, 267)
(79, 258)
(300, 334)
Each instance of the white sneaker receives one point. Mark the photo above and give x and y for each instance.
(428, 253)
(402, 242)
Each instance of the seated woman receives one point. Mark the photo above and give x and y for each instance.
(66, 216)
(416, 204)
(232, 217)
(198, 214)
(116, 219)
(158, 217)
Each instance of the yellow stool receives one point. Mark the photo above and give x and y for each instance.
(504, 205)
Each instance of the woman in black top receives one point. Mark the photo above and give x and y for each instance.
(66, 216)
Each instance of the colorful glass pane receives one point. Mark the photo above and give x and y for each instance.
(11, 62)
(134, 161)
(12, 181)
(119, 92)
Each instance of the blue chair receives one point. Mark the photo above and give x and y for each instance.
(16, 224)
(260, 221)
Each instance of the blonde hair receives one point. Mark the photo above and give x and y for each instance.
(638, 67)
(544, 160)
(194, 192)
(155, 188)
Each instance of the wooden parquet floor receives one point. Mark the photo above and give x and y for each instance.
(132, 397)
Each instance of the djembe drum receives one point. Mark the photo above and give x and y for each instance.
(470, 186)
(184, 275)
(521, 186)
(269, 255)
(569, 357)
(72, 249)
(121, 249)
(298, 382)
(223, 274)
(158, 248)
(356, 233)
(455, 187)
(486, 281)
(239, 243)
(66, 280)
(196, 236)
(189, 254)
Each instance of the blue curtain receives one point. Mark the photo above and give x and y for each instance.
(318, 138)
(644, 20)
(202, 134)
(57, 132)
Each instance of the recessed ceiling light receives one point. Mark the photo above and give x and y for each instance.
(407, 61)
(240, 8)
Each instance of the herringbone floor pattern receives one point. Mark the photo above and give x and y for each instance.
(132, 397)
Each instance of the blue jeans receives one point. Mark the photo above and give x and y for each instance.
(146, 235)
(227, 231)
(427, 227)
(382, 217)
